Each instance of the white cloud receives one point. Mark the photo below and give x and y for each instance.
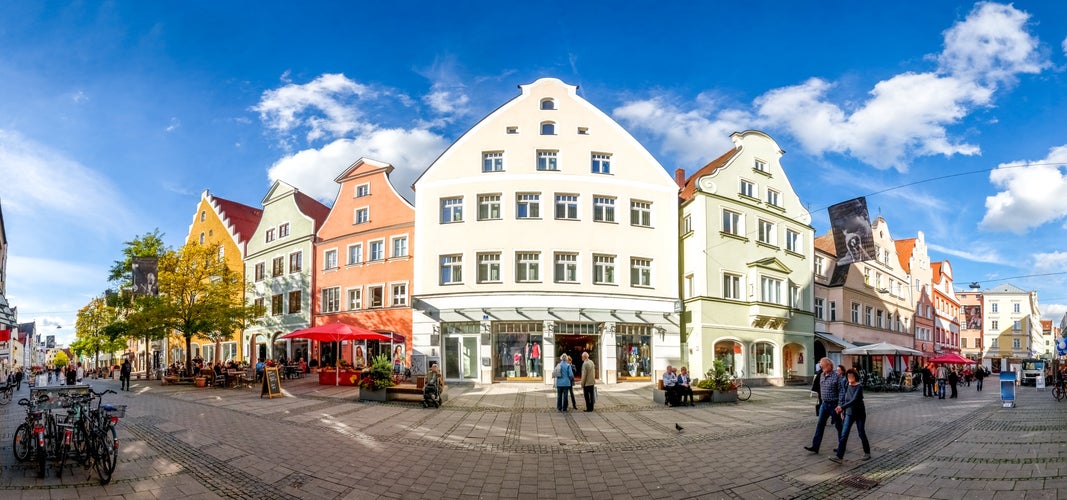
(1050, 262)
(1031, 193)
(976, 253)
(313, 170)
(1063, 45)
(447, 101)
(991, 45)
(1054, 312)
(689, 135)
(31, 286)
(175, 124)
(47, 187)
(333, 96)
(79, 97)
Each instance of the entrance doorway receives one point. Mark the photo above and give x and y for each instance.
(461, 358)
(574, 346)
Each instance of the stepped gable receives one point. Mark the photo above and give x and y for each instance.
(311, 208)
(690, 187)
(905, 248)
(241, 220)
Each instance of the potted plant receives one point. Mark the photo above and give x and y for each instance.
(376, 379)
(718, 380)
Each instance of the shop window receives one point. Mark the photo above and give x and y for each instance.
(517, 350)
(633, 351)
(763, 354)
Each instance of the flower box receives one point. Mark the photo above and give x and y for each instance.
(372, 395)
(724, 396)
(349, 378)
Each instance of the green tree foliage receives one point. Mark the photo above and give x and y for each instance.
(61, 360)
(143, 315)
(200, 295)
(144, 245)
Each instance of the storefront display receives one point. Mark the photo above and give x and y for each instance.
(517, 350)
(633, 351)
(573, 339)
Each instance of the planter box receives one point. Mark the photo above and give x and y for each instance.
(349, 378)
(370, 395)
(200, 381)
(723, 396)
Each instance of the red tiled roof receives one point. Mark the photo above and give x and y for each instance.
(243, 218)
(312, 208)
(905, 248)
(936, 275)
(826, 243)
(690, 184)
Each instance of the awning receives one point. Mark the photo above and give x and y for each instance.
(629, 317)
(458, 315)
(834, 340)
(506, 314)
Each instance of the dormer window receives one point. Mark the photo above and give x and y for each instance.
(548, 103)
(548, 128)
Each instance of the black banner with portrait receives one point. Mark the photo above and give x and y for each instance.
(145, 276)
(853, 238)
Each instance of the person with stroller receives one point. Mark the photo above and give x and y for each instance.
(431, 391)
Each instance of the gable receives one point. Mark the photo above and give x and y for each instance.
(771, 264)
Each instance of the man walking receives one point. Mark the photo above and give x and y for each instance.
(124, 375)
(18, 379)
(588, 381)
(830, 395)
(979, 376)
(928, 382)
(942, 381)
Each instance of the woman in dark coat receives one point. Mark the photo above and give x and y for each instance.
(854, 412)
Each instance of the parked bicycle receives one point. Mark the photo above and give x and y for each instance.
(743, 391)
(29, 441)
(1058, 391)
(7, 391)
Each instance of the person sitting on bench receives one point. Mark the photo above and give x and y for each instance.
(670, 386)
(684, 386)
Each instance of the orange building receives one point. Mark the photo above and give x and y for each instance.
(229, 224)
(364, 265)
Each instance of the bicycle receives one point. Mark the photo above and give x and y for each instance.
(1058, 391)
(30, 437)
(743, 391)
(6, 393)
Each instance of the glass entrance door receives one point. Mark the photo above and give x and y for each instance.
(461, 358)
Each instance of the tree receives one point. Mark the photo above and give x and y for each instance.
(90, 324)
(143, 314)
(200, 295)
(145, 245)
(61, 360)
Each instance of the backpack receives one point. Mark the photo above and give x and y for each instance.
(557, 372)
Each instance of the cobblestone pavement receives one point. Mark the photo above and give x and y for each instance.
(507, 441)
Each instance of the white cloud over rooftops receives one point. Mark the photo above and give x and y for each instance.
(978, 253)
(1031, 193)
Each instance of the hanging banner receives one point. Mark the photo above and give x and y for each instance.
(145, 274)
(851, 226)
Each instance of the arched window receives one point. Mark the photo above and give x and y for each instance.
(203, 215)
(548, 128)
(730, 354)
(763, 354)
(548, 103)
(201, 238)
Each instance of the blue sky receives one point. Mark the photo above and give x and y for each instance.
(114, 116)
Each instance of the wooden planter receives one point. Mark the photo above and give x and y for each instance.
(723, 396)
(200, 381)
(372, 395)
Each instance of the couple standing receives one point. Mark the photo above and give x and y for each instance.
(564, 375)
(840, 399)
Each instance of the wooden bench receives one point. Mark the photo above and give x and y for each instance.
(176, 380)
(408, 392)
(659, 395)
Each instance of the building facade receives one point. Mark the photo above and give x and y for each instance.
(746, 266)
(915, 261)
(280, 268)
(365, 264)
(971, 338)
(546, 229)
(946, 310)
(1011, 326)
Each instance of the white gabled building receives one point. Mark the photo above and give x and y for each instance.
(546, 229)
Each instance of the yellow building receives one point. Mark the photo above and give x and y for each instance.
(228, 224)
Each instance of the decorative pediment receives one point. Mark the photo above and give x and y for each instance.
(768, 322)
(771, 264)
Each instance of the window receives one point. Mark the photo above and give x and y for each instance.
(767, 233)
(687, 224)
(640, 272)
(731, 223)
(566, 268)
(493, 162)
(528, 206)
(355, 254)
(203, 215)
(377, 250)
(400, 247)
(1016, 344)
(451, 210)
(362, 190)
(855, 313)
(690, 286)
(546, 160)
(881, 319)
(527, 269)
(963, 342)
(760, 165)
(868, 316)
(819, 303)
(792, 243)
(258, 303)
(399, 294)
(451, 269)
(583, 130)
(261, 271)
(270, 235)
(355, 298)
(222, 253)
(995, 325)
(362, 215)
(763, 354)
(640, 213)
(376, 296)
(567, 206)
(748, 188)
(993, 343)
(296, 262)
(731, 286)
(283, 230)
(770, 290)
(548, 128)
(604, 269)
(488, 268)
(201, 238)
(295, 298)
(993, 307)
(329, 259)
(603, 209)
(331, 300)
(601, 163)
(513, 130)
(1015, 307)
(1016, 326)
(794, 296)
(489, 207)
(277, 266)
(548, 103)
(833, 311)
(774, 198)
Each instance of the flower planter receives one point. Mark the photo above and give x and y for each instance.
(349, 378)
(200, 381)
(372, 395)
(724, 396)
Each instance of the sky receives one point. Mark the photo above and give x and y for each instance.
(116, 115)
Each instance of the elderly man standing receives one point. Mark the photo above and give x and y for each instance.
(588, 381)
(830, 394)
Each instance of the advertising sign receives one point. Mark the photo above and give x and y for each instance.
(50, 341)
(853, 239)
(1007, 389)
(145, 274)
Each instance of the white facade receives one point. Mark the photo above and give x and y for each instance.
(546, 222)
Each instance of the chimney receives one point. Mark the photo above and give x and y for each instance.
(679, 177)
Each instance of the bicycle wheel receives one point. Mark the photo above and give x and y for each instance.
(102, 460)
(5, 396)
(1057, 393)
(22, 442)
(42, 459)
(61, 460)
(744, 392)
(111, 441)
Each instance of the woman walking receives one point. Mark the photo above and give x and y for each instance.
(852, 408)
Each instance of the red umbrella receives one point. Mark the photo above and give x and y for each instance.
(337, 332)
(952, 359)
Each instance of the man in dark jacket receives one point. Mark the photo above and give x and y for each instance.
(928, 382)
(979, 376)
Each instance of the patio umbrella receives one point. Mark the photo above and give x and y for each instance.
(953, 359)
(337, 332)
(881, 348)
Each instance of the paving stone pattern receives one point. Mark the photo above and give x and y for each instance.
(508, 441)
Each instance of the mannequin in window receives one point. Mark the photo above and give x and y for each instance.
(644, 354)
(535, 357)
(517, 359)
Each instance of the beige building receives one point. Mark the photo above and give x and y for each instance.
(970, 320)
(1011, 326)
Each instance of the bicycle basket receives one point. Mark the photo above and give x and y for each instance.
(116, 411)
